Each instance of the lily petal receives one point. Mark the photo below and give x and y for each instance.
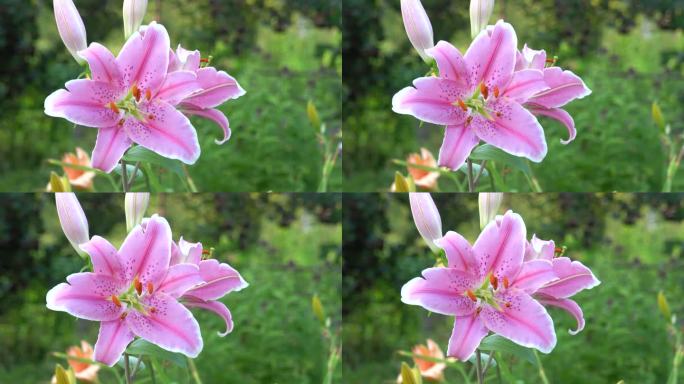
(84, 103)
(212, 114)
(145, 253)
(177, 86)
(433, 100)
(540, 249)
(522, 320)
(557, 114)
(110, 146)
(533, 275)
(513, 129)
(525, 84)
(215, 306)
(466, 336)
(573, 277)
(567, 305)
(450, 62)
(459, 141)
(180, 278)
(441, 290)
(165, 131)
(219, 279)
(87, 296)
(170, 326)
(530, 58)
(491, 56)
(501, 245)
(564, 86)
(217, 87)
(104, 257)
(144, 58)
(112, 340)
(102, 64)
(458, 251)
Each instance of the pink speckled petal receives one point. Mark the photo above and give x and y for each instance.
(441, 290)
(217, 87)
(557, 114)
(110, 146)
(491, 56)
(459, 141)
(533, 275)
(85, 102)
(525, 84)
(144, 58)
(433, 100)
(459, 252)
(501, 245)
(102, 64)
(450, 62)
(212, 114)
(466, 336)
(87, 296)
(219, 280)
(112, 341)
(564, 86)
(145, 253)
(104, 257)
(567, 305)
(215, 306)
(177, 86)
(573, 277)
(180, 278)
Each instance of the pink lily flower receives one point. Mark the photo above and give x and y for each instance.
(487, 287)
(477, 97)
(564, 87)
(130, 99)
(218, 279)
(572, 277)
(216, 87)
(133, 292)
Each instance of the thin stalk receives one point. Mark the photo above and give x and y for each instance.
(135, 173)
(478, 366)
(479, 173)
(489, 362)
(124, 175)
(193, 371)
(135, 369)
(542, 374)
(191, 184)
(127, 366)
(471, 185)
(151, 366)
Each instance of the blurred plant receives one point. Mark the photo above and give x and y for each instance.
(82, 370)
(143, 289)
(332, 337)
(430, 370)
(500, 284)
(143, 96)
(331, 145)
(673, 145)
(135, 205)
(78, 177)
(676, 333)
(421, 169)
(492, 93)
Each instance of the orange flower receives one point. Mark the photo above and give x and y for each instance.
(423, 178)
(83, 371)
(429, 370)
(78, 178)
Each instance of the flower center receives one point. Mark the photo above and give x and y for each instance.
(131, 102)
(133, 298)
(476, 104)
(485, 293)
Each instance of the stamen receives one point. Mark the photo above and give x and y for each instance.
(123, 315)
(113, 107)
(204, 60)
(462, 105)
(148, 94)
(505, 281)
(206, 252)
(478, 310)
(138, 285)
(136, 92)
(496, 91)
(150, 288)
(484, 90)
(469, 120)
(150, 117)
(116, 301)
(498, 114)
(508, 304)
(153, 310)
(494, 281)
(471, 295)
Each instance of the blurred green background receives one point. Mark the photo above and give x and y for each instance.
(634, 243)
(629, 52)
(282, 52)
(287, 247)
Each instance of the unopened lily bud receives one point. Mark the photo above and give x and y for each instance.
(489, 205)
(427, 219)
(133, 14)
(70, 27)
(135, 205)
(418, 27)
(73, 219)
(480, 12)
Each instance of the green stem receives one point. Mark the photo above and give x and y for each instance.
(124, 175)
(127, 367)
(151, 367)
(193, 371)
(471, 185)
(479, 173)
(542, 374)
(191, 184)
(478, 366)
(135, 173)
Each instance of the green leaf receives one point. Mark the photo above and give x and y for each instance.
(503, 345)
(142, 347)
(144, 155)
(490, 152)
(658, 118)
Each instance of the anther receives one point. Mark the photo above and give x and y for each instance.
(462, 105)
(478, 310)
(123, 315)
(206, 252)
(113, 107)
(471, 295)
(150, 117)
(508, 304)
(148, 94)
(505, 281)
(496, 91)
(494, 281)
(469, 120)
(116, 301)
(498, 114)
(136, 92)
(153, 310)
(150, 288)
(138, 285)
(484, 90)
(204, 60)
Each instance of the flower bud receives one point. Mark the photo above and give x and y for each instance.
(480, 12)
(427, 219)
(73, 219)
(135, 204)
(133, 14)
(418, 27)
(70, 27)
(489, 204)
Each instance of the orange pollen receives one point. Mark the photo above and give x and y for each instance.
(508, 304)
(123, 315)
(484, 90)
(496, 91)
(462, 105)
(138, 285)
(148, 94)
(469, 119)
(206, 252)
(116, 301)
(505, 281)
(478, 310)
(150, 288)
(204, 60)
(113, 107)
(150, 117)
(494, 281)
(550, 60)
(121, 122)
(498, 114)
(153, 310)
(471, 295)
(558, 250)
(136, 92)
